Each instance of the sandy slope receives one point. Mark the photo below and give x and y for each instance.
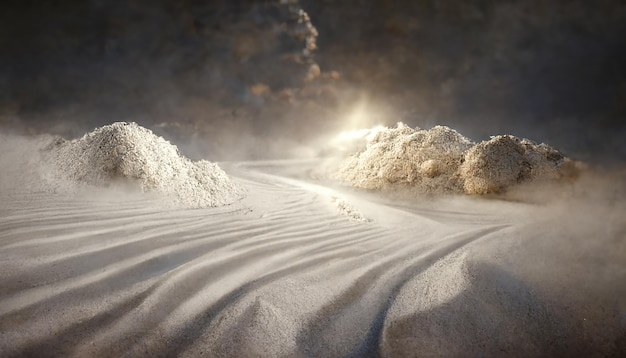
(285, 272)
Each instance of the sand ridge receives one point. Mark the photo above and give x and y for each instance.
(283, 273)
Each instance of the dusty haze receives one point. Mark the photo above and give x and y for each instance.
(228, 79)
(304, 265)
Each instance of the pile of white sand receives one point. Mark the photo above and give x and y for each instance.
(503, 161)
(441, 160)
(128, 154)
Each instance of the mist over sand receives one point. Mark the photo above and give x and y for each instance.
(227, 80)
(307, 267)
(441, 160)
(234, 220)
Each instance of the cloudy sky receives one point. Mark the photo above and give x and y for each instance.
(234, 70)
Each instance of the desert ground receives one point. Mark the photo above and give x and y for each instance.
(275, 211)
(304, 266)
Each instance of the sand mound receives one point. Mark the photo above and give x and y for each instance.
(129, 154)
(503, 161)
(441, 160)
(427, 159)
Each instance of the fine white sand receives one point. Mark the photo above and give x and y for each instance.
(441, 160)
(306, 268)
(126, 154)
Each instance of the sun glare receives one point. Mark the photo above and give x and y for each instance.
(359, 125)
(347, 140)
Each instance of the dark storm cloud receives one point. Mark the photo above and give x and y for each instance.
(552, 71)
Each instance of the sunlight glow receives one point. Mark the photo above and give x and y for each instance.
(349, 139)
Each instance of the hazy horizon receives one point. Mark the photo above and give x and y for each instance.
(227, 79)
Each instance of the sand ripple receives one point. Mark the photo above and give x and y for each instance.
(281, 273)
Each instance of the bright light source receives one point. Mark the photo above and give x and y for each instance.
(364, 114)
(358, 125)
(353, 139)
(359, 116)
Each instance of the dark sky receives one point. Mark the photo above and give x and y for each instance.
(231, 72)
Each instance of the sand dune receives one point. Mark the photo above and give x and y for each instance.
(286, 272)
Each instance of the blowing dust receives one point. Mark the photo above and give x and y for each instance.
(374, 272)
(441, 160)
(123, 155)
(453, 275)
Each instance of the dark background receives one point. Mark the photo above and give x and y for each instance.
(226, 79)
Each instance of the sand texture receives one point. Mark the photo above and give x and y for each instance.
(300, 268)
(441, 160)
(127, 154)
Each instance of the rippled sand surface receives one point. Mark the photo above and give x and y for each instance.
(289, 271)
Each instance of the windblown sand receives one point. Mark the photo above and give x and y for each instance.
(441, 160)
(127, 154)
(304, 268)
